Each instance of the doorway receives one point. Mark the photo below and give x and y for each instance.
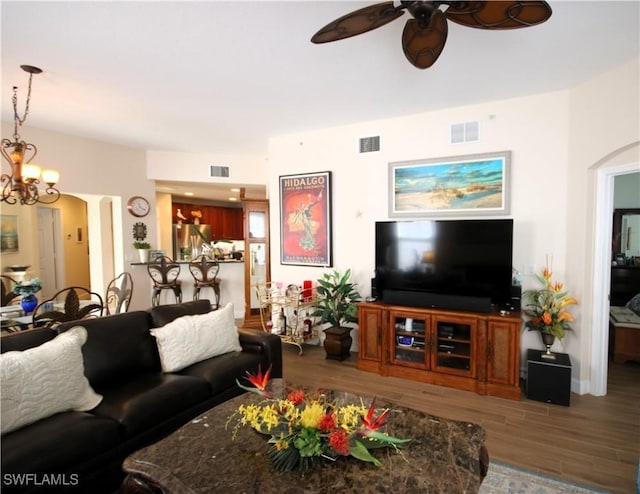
(605, 187)
(50, 251)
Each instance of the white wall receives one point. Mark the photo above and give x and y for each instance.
(554, 139)
(360, 182)
(194, 167)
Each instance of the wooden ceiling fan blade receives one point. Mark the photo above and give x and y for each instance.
(358, 22)
(422, 46)
(499, 14)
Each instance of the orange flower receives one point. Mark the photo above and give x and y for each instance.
(296, 396)
(339, 442)
(565, 316)
(327, 422)
(546, 318)
(259, 382)
(558, 287)
(372, 424)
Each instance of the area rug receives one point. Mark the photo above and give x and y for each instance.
(503, 479)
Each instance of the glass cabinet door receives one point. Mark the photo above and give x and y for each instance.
(454, 345)
(409, 345)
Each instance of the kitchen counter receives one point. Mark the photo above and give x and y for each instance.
(231, 276)
(220, 261)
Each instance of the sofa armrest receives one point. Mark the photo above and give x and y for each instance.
(257, 341)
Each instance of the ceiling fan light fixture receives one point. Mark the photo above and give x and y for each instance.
(424, 36)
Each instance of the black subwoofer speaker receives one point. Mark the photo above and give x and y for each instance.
(549, 380)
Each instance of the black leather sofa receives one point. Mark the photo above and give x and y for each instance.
(140, 405)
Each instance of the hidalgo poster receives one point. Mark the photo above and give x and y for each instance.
(305, 219)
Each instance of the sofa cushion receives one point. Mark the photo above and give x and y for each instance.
(45, 380)
(221, 372)
(190, 339)
(22, 340)
(117, 346)
(164, 314)
(58, 443)
(145, 401)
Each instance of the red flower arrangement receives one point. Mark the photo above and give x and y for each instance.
(303, 427)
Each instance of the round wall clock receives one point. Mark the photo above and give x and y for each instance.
(138, 206)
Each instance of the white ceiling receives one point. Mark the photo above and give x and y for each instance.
(222, 77)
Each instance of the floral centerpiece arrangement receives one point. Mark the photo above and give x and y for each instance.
(28, 287)
(305, 427)
(547, 307)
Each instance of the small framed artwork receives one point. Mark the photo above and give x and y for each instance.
(139, 231)
(9, 233)
(475, 184)
(305, 219)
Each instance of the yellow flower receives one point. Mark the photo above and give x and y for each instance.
(269, 417)
(349, 416)
(311, 415)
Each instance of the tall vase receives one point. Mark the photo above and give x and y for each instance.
(28, 303)
(548, 339)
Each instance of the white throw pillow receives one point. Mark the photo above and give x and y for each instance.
(190, 339)
(45, 380)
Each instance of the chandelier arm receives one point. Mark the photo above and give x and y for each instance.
(30, 193)
(52, 196)
(7, 196)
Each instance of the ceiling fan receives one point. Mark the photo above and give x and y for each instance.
(424, 36)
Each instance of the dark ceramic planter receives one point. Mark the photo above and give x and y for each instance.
(337, 343)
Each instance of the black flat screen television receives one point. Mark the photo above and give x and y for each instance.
(449, 264)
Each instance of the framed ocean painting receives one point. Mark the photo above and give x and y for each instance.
(474, 184)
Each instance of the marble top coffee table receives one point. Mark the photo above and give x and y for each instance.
(444, 456)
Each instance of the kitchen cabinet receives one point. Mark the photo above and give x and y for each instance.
(226, 223)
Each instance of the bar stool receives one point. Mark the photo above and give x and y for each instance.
(204, 270)
(164, 273)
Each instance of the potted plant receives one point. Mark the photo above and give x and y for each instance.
(546, 308)
(143, 250)
(337, 305)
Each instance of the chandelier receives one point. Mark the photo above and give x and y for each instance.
(22, 184)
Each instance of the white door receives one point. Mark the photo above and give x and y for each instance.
(51, 254)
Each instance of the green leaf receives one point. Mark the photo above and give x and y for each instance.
(386, 438)
(359, 451)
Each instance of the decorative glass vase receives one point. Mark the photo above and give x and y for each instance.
(28, 303)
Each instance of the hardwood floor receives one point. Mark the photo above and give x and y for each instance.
(595, 441)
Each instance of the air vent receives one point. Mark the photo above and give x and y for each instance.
(219, 171)
(369, 144)
(465, 132)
